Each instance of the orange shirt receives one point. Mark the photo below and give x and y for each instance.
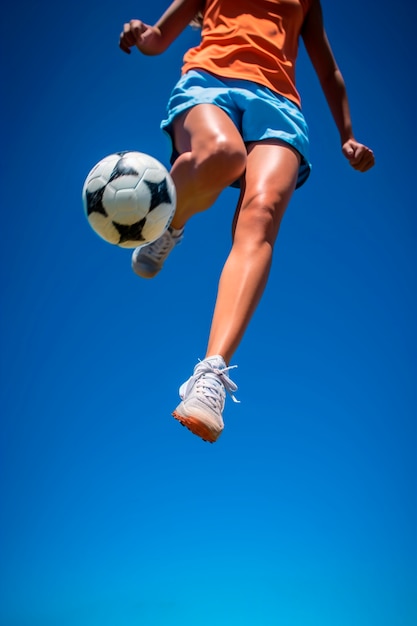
(254, 40)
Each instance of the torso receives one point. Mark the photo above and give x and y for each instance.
(254, 40)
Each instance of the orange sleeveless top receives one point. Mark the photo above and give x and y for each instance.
(254, 40)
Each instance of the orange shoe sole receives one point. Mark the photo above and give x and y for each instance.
(197, 428)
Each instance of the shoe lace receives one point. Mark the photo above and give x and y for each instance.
(158, 249)
(205, 375)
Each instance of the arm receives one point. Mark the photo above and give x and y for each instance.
(155, 39)
(331, 80)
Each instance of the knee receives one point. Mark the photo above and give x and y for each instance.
(224, 161)
(259, 219)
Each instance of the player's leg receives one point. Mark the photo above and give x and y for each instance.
(271, 176)
(270, 179)
(212, 156)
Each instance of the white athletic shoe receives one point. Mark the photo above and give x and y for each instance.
(148, 260)
(203, 396)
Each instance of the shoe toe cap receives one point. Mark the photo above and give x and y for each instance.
(143, 269)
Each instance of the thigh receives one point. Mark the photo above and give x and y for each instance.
(205, 128)
(270, 179)
(272, 165)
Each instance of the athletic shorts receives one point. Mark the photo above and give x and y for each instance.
(257, 112)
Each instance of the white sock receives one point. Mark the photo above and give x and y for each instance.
(176, 232)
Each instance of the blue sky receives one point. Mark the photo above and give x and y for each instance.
(304, 512)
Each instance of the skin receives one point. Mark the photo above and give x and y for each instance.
(213, 155)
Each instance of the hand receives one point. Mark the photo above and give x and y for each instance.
(360, 157)
(141, 35)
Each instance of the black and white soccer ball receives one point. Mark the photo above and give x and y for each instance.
(129, 199)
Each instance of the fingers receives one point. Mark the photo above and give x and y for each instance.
(131, 35)
(363, 159)
(360, 157)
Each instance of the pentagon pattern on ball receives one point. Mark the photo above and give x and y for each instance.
(95, 198)
(94, 201)
(133, 232)
(129, 199)
(124, 167)
(159, 193)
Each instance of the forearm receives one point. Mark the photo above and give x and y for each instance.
(334, 89)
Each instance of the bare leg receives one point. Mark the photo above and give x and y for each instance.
(212, 156)
(271, 176)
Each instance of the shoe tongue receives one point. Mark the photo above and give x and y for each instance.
(216, 361)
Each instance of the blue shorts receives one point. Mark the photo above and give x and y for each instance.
(257, 112)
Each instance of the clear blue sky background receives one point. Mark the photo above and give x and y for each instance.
(304, 512)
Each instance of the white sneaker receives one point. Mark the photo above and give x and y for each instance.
(148, 260)
(203, 397)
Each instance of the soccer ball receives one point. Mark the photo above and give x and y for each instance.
(129, 199)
